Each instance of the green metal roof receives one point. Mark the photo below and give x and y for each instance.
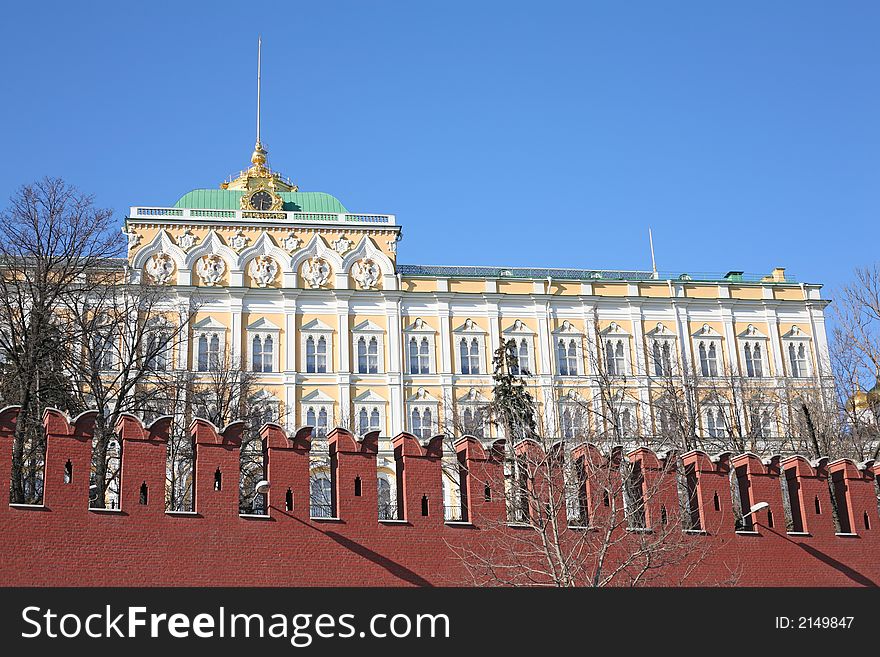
(229, 199)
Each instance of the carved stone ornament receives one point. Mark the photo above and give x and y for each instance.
(210, 269)
(239, 240)
(366, 273)
(316, 272)
(342, 245)
(133, 239)
(160, 268)
(291, 242)
(263, 270)
(392, 244)
(187, 240)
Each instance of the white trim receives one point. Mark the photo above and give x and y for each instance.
(413, 331)
(316, 329)
(368, 330)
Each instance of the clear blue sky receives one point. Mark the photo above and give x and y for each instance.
(747, 134)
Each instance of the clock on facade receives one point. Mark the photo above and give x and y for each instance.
(261, 200)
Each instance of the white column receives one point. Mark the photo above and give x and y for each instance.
(394, 334)
(236, 356)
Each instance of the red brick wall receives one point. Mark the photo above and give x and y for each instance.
(65, 543)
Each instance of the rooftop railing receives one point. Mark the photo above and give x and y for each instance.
(261, 216)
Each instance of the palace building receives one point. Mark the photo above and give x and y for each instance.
(311, 296)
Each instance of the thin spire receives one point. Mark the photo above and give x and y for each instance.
(653, 262)
(259, 64)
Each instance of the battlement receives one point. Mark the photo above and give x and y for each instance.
(819, 526)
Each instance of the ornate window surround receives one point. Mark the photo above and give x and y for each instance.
(421, 401)
(367, 330)
(475, 402)
(753, 337)
(617, 335)
(708, 336)
(369, 401)
(419, 329)
(316, 329)
(568, 333)
(317, 400)
(263, 328)
(796, 338)
(469, 331)
(661, 336)
(208, 327)
(519, 332)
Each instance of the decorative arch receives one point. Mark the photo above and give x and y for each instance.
(212, 244)
(264, 245)
(161, 243)
(367, 249)
(317, 246)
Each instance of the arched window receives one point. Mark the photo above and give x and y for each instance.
(614, 358)
(367, 355)
(567, 354)
(567, 424)
(416, 422)
(209, 352)
(625, 422)
(203, 353)
(523, 357)
(321, 426)
(469, 351)
(321, 355)
(310, 354)
(363, 421)
(368, 420)
(754, 364)
(421, 422)
(708, 359)
(419, 355)
(257, 354)
(158, 344)
(715, 425)
(797, 355)
(658, 359)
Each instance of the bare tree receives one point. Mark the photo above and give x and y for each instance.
(856, 362)
(52, 238)
(131, 334)
(576, 515)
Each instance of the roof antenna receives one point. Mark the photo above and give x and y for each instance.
(653, 262)
(259, 64)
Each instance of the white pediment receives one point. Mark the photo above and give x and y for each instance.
(369, 397)
(518, 328)
(318, 397)
(263, 324)
(469, 326)
(316, 325)
(613, 329)
(208, 323)
(795, 333)
(473, 396)
(422, 395)
(661, 331)
(419, 326)
(752, 333)
(264, 396)
(367, 326)
(706, 331)
(567, 328)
